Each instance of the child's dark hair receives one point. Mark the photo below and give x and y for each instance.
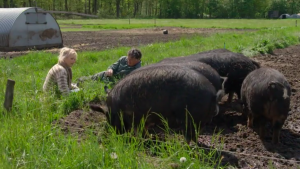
(137, 54)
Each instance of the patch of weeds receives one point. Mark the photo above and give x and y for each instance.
(280, 44)
(264, 46)
(73, 102)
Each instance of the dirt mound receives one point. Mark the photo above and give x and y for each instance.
(79, 122)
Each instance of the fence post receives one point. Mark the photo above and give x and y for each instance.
(296, 23)
(9, 94)
(129, 20)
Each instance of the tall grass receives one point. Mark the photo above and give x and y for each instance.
(30, 140)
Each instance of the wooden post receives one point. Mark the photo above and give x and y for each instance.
(9, 94)
(154, 22)
(296, 23)
(129, 20)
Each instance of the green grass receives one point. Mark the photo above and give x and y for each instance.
(98, 24)
(119, 26)
(29, 140)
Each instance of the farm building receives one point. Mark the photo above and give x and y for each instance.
(27, 28)
(285, 16)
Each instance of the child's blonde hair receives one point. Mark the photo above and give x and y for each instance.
(66, 52)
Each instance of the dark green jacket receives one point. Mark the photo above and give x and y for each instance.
(121, 68)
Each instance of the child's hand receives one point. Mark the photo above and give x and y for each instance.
(74, 86)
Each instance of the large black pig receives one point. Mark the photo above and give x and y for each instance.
(265, 94)
(169, 90)
(234, 66)
(202, 68)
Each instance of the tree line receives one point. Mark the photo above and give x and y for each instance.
(164, 8)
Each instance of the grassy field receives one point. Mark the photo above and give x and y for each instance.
(98, 24)
(30, 140)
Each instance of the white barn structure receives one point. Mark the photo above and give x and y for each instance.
(28, 28)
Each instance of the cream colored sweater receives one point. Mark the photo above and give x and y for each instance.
(59, 76)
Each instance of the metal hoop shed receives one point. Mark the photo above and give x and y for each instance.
(27, 28)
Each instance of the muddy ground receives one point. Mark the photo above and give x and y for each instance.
(240, 139)
(242, 146)
(106, 39)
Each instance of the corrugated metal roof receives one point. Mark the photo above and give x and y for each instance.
(7, 18)
(23, 28)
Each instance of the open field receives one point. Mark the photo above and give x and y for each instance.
(98, 24)
(101, 40)
(48, 132)
(101, 34)
(107, 39)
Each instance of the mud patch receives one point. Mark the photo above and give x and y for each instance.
(80, 123)
(48, 34)
(245, 143)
